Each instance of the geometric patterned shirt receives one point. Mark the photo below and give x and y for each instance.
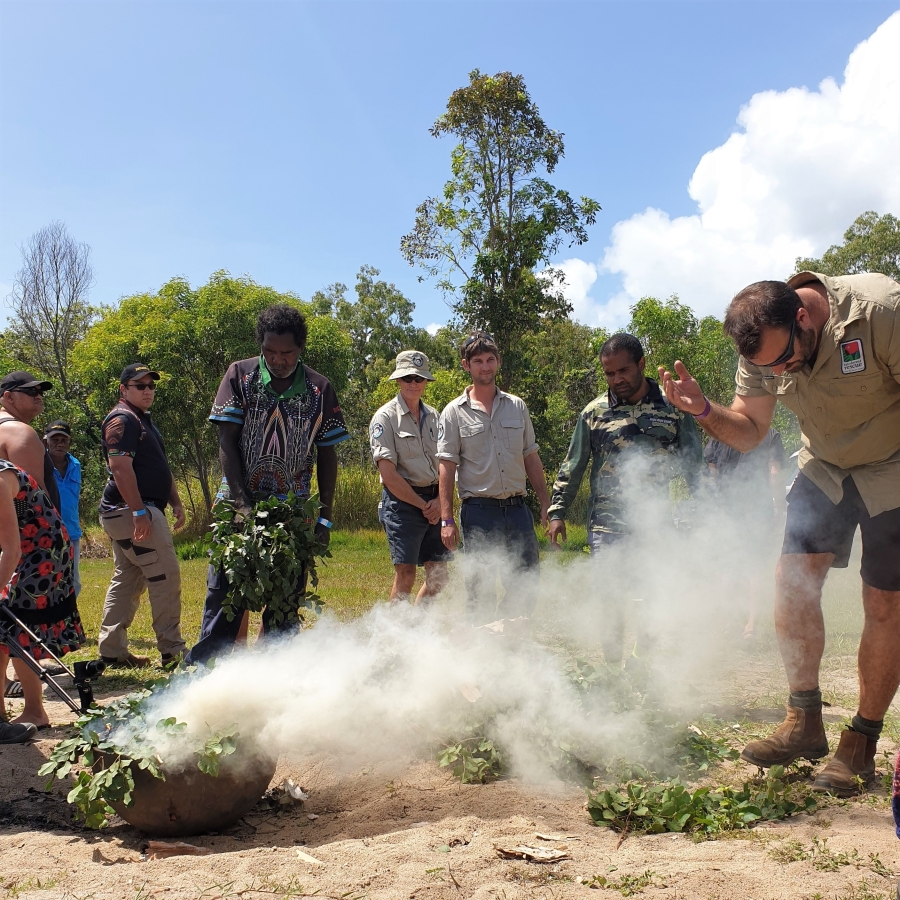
(278, 431)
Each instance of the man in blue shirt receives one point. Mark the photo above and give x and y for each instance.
(67, 472)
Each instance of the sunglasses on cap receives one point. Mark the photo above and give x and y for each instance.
(409, 379)
(150, 386)
(478, 336)
(789, 350)
(31, 391)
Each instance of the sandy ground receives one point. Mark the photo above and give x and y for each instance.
(420, 835)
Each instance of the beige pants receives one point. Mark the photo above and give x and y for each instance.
(151, 564)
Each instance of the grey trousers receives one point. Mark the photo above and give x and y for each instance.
(151, 564)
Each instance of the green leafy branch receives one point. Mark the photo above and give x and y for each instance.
(110, 742)
(265, 554)
(652, 807)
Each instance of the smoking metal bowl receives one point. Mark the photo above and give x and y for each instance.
(190, 802)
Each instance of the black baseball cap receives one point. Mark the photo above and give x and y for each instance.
(16, 380)
(58, 426)
(137, 370)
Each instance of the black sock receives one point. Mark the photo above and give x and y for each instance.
(869, 727)
(809, 700)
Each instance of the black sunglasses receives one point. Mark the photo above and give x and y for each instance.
(409, 379)
(478, 336)
(31, 391)
(789, 350)
(142, 387)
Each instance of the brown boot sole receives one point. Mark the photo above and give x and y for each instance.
(822, 786)
(811, 755)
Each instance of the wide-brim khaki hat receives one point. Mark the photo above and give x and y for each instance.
(411, 362)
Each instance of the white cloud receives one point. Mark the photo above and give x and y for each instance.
(433, 328)
(802, 167)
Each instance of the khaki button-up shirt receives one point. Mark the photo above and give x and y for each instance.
(412, 447)
(848, 403)
(489, 450)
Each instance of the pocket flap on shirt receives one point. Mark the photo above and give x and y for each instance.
(780, 384)
(852, 385)
(471, 429)
(512, 423)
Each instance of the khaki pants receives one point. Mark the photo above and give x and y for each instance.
(151, 564)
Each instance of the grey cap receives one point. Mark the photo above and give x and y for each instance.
(411, 362)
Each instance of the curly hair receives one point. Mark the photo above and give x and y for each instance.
(765, 304)
(281, 319)
(623, 341)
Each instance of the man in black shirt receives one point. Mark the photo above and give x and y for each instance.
(132, 513)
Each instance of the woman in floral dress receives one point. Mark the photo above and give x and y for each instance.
(36, 574)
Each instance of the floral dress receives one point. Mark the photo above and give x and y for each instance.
(41, 592)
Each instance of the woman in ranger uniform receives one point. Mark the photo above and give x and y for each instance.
(403, 436)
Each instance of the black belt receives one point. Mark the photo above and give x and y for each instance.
(491, 501)
(430, 491)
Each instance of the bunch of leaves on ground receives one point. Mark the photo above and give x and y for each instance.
(110, 743)
(651, 807)
(264, 556)
(825, 859)
(473, 760)
(626, 885)
(701, 750)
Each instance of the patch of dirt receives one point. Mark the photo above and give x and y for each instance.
(415, 834)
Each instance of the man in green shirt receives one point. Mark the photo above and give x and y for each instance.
(633, 428)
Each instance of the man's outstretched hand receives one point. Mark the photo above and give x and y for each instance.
(683, 392)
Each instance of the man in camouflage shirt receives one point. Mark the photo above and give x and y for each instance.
(636, 442)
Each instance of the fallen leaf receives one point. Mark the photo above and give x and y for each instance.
(163, 849)
(532, 854)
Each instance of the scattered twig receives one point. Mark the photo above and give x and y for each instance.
(453, 878)
(624, 830)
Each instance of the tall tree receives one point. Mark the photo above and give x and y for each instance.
(871, 244)
(498, 221)
(379, 324)
(49, 302)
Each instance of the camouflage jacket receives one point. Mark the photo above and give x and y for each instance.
(635, 450)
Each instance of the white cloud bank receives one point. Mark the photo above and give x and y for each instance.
(802, 167)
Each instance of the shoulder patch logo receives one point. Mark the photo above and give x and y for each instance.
(852, 357)
(441, 430)
(377, 430)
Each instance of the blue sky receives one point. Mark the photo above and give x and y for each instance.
(289, 140)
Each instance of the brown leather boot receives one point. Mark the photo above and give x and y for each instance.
(800, 736)
(851, 768)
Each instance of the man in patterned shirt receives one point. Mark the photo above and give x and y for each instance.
(636, 442)
(276, 419)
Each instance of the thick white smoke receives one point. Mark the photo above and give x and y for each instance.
(391, 684)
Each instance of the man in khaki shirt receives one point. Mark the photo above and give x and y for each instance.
(403, 438)
(486, 442)
(829, 349)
